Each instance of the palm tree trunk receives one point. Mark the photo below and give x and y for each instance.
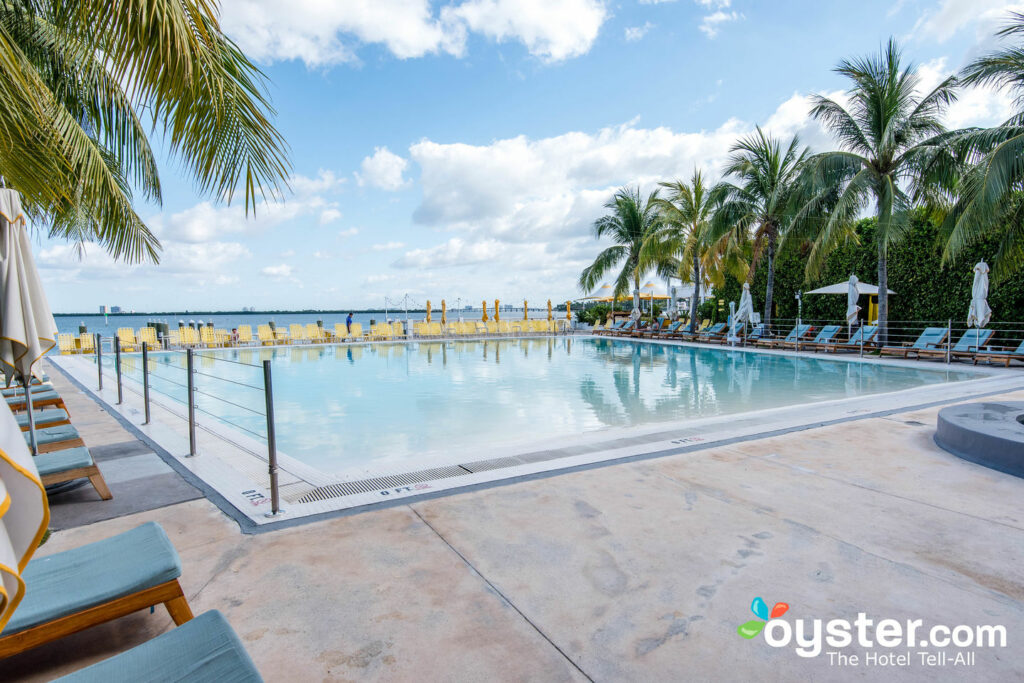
(883, 294)
(695, 299)
(771, 283)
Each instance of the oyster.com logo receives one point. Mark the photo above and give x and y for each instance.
(760, 609)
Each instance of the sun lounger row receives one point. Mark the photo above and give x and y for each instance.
(71, 591)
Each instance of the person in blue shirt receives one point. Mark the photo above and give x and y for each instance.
(348, 323)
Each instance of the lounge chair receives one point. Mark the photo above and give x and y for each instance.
(710, 334)
(66, 343)
(931, 338)
(265, 334)
(666, 330)
(800, 333)
(57, 467)
(56, 438)
(314, 332)
(1003, 356)
(86, 343)
(297, 333)
(654, 328)
(70, 591)
(245, 335)
(40, 399)
(625, 330)
(826, 336)
(969, 345)
(867, 333)
(202, 650)
(147, 335)
(16, 390)
(126, 338)
(609, 327)
(49, 417)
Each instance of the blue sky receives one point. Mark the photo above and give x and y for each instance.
(461, 150)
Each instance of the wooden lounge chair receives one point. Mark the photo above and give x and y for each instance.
(625, 330)
(711, 334)
(666, 331)
(202, 650)
(652, 329)
(70, 591)
(69, 464)
(868, 333)
(800, 332)
(40, 399)
(931, 338)
(610, 327)
(969, 345)
(49, 417)
(1003, 356)
(825, 336)
(56, 438)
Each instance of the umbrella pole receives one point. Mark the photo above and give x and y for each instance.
(31, 419)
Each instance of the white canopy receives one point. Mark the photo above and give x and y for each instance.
(23, 521)
(844, 288)
(27, 328)
(979, 314)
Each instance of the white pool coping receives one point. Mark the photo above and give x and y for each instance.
(234, 465)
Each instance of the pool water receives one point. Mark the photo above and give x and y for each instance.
(354, 408)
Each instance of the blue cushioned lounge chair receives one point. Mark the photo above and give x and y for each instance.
(1003, 356)
(969, 345)
(70, 591)
(203, 650)
(931, 338)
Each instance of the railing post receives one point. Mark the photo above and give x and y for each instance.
(191, 403)
(268, 391)
(949, 335)
(145, 380)
(117, 368)
(99, 359)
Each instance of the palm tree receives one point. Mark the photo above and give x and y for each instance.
(758, 206)
(82, 80)
(987, 191)
(630, 223)
(887, 136)
(680, 247)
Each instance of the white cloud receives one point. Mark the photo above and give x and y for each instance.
(710, 23)
(348, 232)
(951, 16)
(383, 170)
(322, 255)
(985, 106)
(328, 216)
(62, 262)
(553, 30)
(324, 32)
(634, 33)
(387, 246)
(278, 272)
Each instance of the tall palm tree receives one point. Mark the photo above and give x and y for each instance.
(630, 222)
(987, 191)
(887, 154)
(81, 82)
(758, 204)
(680, 246)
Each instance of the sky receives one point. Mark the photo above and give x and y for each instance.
(462, 150)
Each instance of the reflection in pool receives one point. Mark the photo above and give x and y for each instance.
(353, 407)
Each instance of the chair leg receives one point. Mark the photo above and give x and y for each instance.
(100, 484)
(178, 608)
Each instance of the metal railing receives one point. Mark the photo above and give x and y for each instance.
(198, 387)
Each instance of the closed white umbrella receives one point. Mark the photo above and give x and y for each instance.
(635, 315)
(23, 519)
(745, 312)
(979, 313)
(852, 309)
(27, 328)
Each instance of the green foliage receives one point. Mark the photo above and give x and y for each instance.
(925, 289)
(595, 315)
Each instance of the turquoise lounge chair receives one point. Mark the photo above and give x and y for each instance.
(613, 328)
(710, 334)
(968, 346)
(825, 336)
(202, 650)
(56, 438)
(70, 591)
(13, 391)
(667, 331)
(625, 329)
(50, 417)
(69, 464)
(931, 338)
(867, 333)
(40, 399)
(798, 332)
(1003, 356)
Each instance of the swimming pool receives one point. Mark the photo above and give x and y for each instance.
(357, 409)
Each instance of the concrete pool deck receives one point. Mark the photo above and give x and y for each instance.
(633, 571)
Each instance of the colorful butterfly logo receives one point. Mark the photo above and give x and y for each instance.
(760, 610)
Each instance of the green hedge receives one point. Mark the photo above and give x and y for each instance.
(924, 289)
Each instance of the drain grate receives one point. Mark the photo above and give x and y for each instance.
(350, 488)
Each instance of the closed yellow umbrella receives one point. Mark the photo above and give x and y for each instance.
(549, 310)
(484, 317)
(526, 308)
(568, 310)
(497, 315)
(444, 312)
(428, 310)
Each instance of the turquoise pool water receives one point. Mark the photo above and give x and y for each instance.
(354, 408)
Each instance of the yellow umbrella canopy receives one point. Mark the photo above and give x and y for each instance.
(549, 310)
(484, 317)
(444, 312)
(428, 310)
(526, 308)
(497, 315)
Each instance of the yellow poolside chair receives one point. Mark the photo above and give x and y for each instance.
(191, 337)
(340, 331)
(357, 332)
(208, 337)
(420, 329)
(126, 338)
(147, 335)
(297, 333)
(435, 330)
(66, 343)
(265, 335)
(504, 327)
(173, 338)
(398, 330)
(86, 343)
(314, 332)
(223, 336)
(245, 334)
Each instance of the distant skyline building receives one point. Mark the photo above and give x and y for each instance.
(103, 310)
